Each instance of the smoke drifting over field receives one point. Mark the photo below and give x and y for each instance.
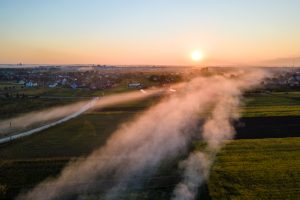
(137, 148)
(217, 128)
(52, 114)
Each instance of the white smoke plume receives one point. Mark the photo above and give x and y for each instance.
(217, 129)
(138, 147)
(32, 118)
(37, 118)
(196, 169)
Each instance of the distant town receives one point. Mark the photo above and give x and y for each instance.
(102, 77)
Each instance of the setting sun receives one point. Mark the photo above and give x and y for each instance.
(196, 55)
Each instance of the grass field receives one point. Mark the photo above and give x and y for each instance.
(25, 162)
(63, 91)
(28, 161)
(244, 169)
(41, 98)
(14, 107)
(256, 104)
(272, 104)
(73, 138)
(6, 84)
(257, 169)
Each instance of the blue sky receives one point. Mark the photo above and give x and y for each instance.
(147, 32)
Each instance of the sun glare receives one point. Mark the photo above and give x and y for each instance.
(196, 55)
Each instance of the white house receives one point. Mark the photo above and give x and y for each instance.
(52, 85)
(135, 85)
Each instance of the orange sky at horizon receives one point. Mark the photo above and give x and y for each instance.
(144, 33)
(176, 54)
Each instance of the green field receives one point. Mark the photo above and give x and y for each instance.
(241, 170)
(255, 104)
(244, 169)
(271, 104)
(44, 154)
(28, 161)
(42, 98)
(14, 107)
(9, 84)
(257, 169)
(73, 138)
(14, 88)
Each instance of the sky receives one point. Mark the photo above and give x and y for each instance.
(141, 32)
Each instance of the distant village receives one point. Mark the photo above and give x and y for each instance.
(89, 78)
(285, 79)
(103, 77)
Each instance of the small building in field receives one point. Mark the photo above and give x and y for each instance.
(74, 86)
(30, 84)
(135, 85)
(21, 82)
(52, 85)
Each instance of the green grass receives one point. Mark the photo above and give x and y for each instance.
(63, 91)
(76, 137)
(17, 175)
(272, 99)
(27, 161)
(13, 107)
(257, 169)
(16, 106)
(272, 104)
(268, 111)
(242, 169)
(256, 104)
(6, 84)
(60, 92)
